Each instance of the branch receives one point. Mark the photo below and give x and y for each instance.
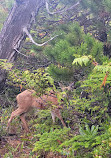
(45, 65)
(61, 11)
(20, 53)
(31, 38)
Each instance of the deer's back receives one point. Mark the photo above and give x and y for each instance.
(45, 101)
(24, 99)
(50, 98)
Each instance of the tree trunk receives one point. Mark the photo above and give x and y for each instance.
(11, 36)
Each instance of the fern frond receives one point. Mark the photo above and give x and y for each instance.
(102, 68)
(84, 60)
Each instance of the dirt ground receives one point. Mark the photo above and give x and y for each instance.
(14, 145)
(20, 147)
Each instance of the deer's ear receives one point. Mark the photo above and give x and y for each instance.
(70, 86)
(60, 84)
(63, 88)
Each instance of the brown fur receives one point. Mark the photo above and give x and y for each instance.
(27, 100)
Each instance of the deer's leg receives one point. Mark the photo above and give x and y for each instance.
(22, 117)
(57, 113)
(53, 116)
(15, 113)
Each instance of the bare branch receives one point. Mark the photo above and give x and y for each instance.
(45, 65)
(20, 53)
(60, 11)
(31, 39)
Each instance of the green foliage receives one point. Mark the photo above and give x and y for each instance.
(62, 53)
(103, 68)
(39, 79)
(50, 141)
(71, 55)
(5, 65)
(60, 73)
(94, 108)
(75, 34)
(5, 6)
(71, 45)
(107, 4)
(90, 46)
(84, 60)
(8, 154)
(89, 139)
(3, 120)
(43, 122)
(86, 139)
(94, 6)
(103, 143)
(88, 143)
(68, 1)
(9, 3)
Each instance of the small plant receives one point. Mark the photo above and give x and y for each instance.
(3, 120)
(63, 142)
(8, 155)
(50, 141)
(84, 140)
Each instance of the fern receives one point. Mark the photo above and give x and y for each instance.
(84, 60)
(50, 141)
(103, 68)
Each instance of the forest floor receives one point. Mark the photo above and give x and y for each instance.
(19, 147)
(19, 144)
(16, 146)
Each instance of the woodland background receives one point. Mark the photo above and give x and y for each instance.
(80, 54)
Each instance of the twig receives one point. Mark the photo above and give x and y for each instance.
(60, 11)
(31, 39)
(20, 53)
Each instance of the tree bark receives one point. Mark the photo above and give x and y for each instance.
(12, 35)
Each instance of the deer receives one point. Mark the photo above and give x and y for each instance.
(26, 100)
